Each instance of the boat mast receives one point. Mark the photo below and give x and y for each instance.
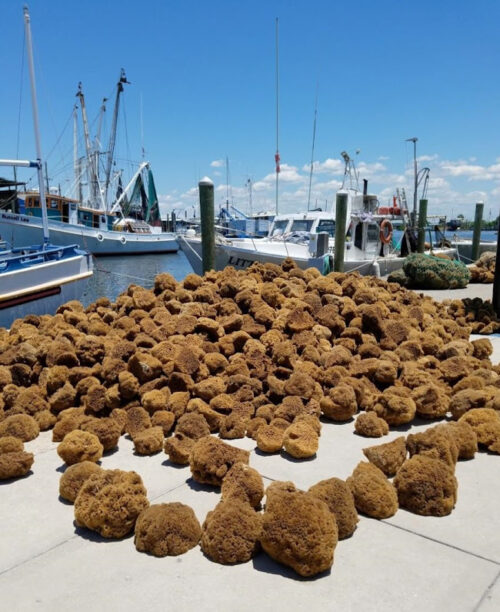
(312, 152)
(97, 145)
(277, 154)
(88, 148)
(112, 139)
(76, 161)
(415, 180)
(41, 186)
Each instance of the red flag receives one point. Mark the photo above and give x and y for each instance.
(277, 160)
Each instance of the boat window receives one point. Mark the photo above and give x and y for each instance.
(326, 225)
(373, 231)
(280, 226)
(302, 225)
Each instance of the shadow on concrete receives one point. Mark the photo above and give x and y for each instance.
(93, 536)
(65, 501)
(288, 457)
(264, 563)
(177, 466)
(11, 480)
(198, 486)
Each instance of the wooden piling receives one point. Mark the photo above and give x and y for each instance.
(476, 236)
(422, 223)
(206, 189)
(340, 229)
(496, 279)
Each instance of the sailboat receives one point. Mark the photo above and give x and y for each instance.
(37, 279)
(108, 219)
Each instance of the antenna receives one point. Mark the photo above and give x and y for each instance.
(312, 152)
(277, 154)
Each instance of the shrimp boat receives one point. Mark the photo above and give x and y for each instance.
(309, 237)
(37, 279)
(107, 219)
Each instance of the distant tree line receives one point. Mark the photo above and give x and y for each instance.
(468, 224)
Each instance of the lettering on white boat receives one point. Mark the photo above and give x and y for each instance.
(15, 218)
(239, 262)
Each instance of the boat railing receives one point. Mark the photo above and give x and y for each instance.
(23, 257)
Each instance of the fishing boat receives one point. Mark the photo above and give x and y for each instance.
(104, 218)
(309, 237)
(38, 278)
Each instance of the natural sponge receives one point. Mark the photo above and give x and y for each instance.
(301, 440)
(387, 457)
(299, 530)
(211, 459)
(20, 426)
(15, 464)
(369, 425)
(340, 501)
(11, 444)
(110, 502)
(373, 494)
(73, 478)
(243, 482)
(167, 529)
(80, 446)
(149, 441)
(426, 486)
(231, 532)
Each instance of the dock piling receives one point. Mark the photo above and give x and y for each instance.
(422, 222)
(496, 279)
(206, 189)
(340, 229)
(476, 236)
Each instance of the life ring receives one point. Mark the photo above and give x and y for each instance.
(123, 240)
(100, 237)
(385, 231)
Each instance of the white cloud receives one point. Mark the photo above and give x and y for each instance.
(217, 163)
(332, 166)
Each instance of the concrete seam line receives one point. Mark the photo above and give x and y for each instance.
(485, 594)
(421, 535)
(40, 554)
(184, 484)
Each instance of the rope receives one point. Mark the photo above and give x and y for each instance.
(140, 278)
(187, 243)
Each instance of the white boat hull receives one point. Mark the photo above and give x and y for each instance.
(40, 289)
(19, 230)
(241, 257)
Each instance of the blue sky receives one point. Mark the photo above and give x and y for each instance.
(387, 70)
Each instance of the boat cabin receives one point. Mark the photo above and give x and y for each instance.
(65, 210)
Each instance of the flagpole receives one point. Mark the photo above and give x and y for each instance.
(277, 156)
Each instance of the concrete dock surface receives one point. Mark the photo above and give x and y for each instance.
(407, 562)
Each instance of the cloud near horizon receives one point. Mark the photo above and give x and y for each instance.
(448, 192)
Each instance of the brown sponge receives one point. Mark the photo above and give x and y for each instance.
(433, 442)
(211, 459)
(340, 501)
(73, 478)
(110, 501)
(149, 441)
(387, 457)
(486, 425)
(269, 438)
(80, 446)
(298, 530)
(231, 532)
(11, 444)
(243, 482)
(340, 404)
(178, 448)
(373, 494)
(464, 437)
(301, 440)
(163, 419)
(395, 406)
(107, 430)
(20, 426)
(426, 486)
(369, 425)
(431, 401)
(167, 530)
(15, 464)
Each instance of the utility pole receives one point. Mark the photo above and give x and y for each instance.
(415, 183)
